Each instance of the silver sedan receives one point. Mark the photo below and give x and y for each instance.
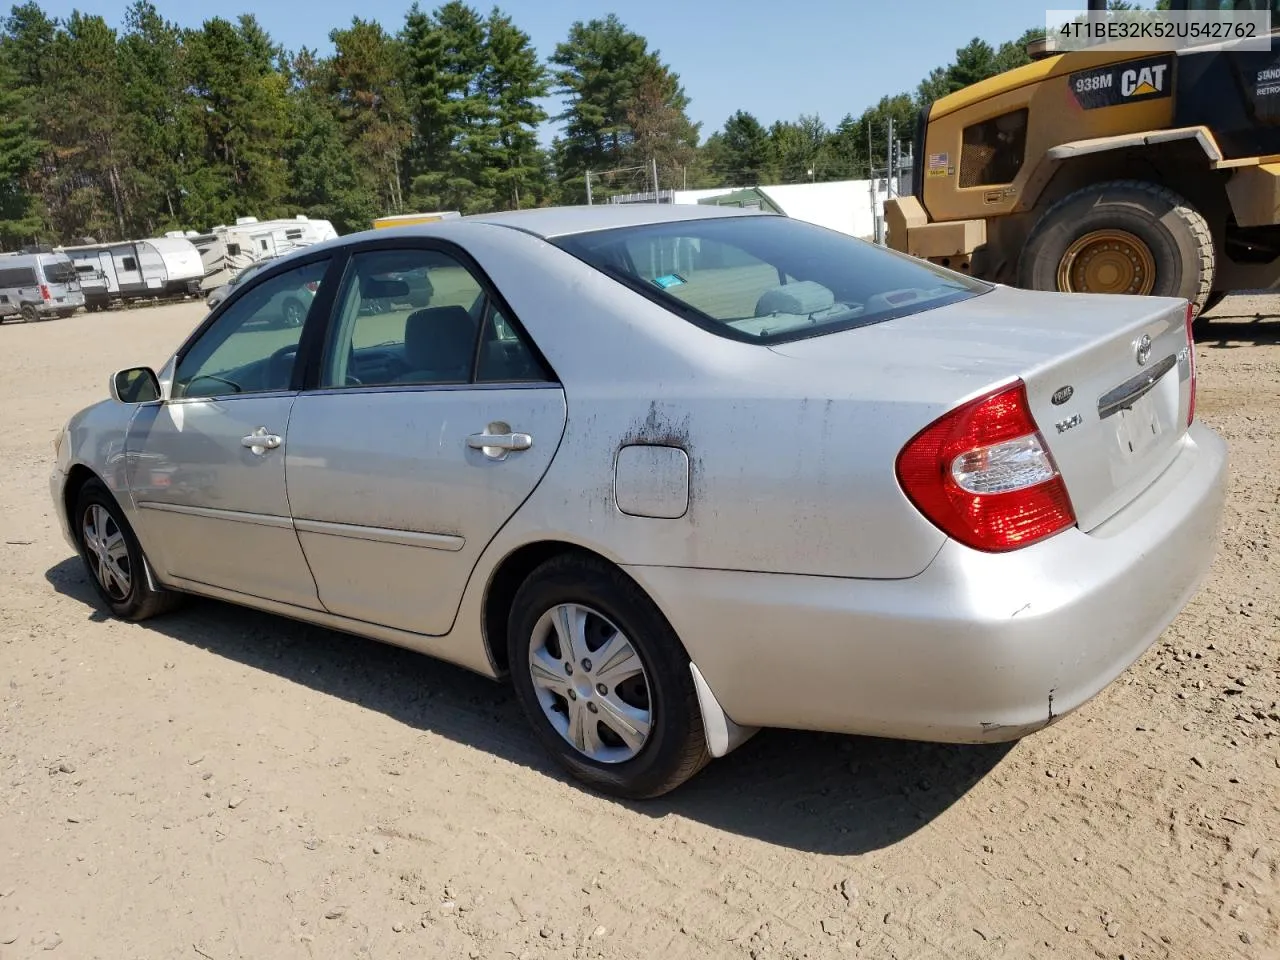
(679, 473)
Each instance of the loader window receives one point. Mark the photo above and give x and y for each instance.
(992, 151)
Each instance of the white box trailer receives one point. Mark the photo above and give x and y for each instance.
(159, 268)
(226, 250)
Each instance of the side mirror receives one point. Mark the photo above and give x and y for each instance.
(135, 385)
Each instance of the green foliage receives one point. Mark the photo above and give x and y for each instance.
(150, 128)
(625, 108)
(160, 128)
(512, 83)
(20, 153)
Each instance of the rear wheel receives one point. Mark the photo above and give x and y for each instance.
(29, 312)
(114, 558)
(604, 680)
(1126, 237)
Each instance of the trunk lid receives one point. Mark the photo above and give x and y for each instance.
(1107, 377)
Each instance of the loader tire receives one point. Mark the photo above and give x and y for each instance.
(1122, 236)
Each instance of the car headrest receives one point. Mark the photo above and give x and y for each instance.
(440, 339)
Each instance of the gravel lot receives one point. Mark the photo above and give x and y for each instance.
(223, 784)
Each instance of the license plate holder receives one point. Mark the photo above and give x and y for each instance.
(1140, 427)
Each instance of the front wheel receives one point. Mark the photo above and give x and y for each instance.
(1124, 236)
(604, 680)
(114, 558)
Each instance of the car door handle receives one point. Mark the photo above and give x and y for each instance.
(496, 445)
(259, 442)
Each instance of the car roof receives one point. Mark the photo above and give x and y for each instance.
(542, 222)
(549, 222)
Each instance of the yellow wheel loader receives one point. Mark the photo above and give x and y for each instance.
(1106, 171)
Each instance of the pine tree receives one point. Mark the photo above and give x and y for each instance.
(156, 131)
(513, 80)
(325, 178)
(239, 107)
(83, 187)
(600, 64)
(661, 132)
(20, 153)
(744, 151)
(445, 58)
(365, 87)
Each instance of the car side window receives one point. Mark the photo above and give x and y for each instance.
(252, 345)
(412, 317)
(505, 356)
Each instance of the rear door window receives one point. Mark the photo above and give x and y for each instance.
(59, 271)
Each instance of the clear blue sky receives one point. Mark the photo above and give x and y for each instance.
(774, 58)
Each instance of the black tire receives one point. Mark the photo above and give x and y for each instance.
(140, 601)
(676, 747)
(29, 313)
(1175, 232)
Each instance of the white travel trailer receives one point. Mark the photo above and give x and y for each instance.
(226, 250)
(158, 268)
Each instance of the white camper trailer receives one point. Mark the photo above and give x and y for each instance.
(226, 250)
(159, 268)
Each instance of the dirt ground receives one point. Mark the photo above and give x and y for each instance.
(223, 784)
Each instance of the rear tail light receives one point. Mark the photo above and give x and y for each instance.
(44, 292)
(984, 475)
(313, 286)
(1191, 362)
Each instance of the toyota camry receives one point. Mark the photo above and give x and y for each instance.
(675, 472)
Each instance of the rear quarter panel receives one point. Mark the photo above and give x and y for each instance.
(787, 473)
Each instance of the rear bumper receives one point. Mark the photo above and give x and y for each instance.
(55, 307)
(979, 647)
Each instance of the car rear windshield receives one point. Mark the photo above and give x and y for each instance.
(59, 271)
(768, 279)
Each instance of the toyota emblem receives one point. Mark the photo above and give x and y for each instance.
(1144, 350)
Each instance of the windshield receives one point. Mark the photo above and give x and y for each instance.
(59, 271)
(767, 279)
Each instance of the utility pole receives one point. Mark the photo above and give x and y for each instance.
(871, 163)
(588, 188)
(654, 161)
(888, 173)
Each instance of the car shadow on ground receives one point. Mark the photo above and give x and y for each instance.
(1229, 329)
(818, 793)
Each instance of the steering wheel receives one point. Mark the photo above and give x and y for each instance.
(279, 367)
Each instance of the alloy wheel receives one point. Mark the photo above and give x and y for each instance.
(591, 683)
(107, 551)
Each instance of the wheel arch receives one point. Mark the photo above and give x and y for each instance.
(1179, 162)
(1176, 226)
(723, 734)
(77, 477)
(507, 576)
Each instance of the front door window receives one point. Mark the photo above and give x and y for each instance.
(251, 347)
